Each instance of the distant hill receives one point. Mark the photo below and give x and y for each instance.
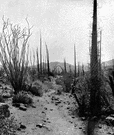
(68, 66)
(60, 66)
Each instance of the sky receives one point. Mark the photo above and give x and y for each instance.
(63, 23)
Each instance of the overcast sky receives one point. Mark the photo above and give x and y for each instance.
(63, 23)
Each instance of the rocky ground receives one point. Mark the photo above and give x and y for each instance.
(52, 114)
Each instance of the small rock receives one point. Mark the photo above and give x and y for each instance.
(73, 117)
(22, 107)
(33, 106)
(39, 125)
(83, 118)
(19, 129)
(22, 126)
(100, 126)
(109, 133)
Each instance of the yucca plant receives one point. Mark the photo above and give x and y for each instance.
(14, 58)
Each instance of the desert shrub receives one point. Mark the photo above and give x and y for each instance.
(8, 126)
(81, 91)
(14, 53)
(22, 97)
(2, 99)
(33, 74)
(67, 78)
(82, 88)
(2, 72)
(59, 81)
(65, 81)
(36, 89)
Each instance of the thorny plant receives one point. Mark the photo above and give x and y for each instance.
(14, 53)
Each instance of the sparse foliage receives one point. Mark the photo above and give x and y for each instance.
(8, 126)
(22, 97)
(15, 62)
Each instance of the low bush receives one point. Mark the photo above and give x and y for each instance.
(59, 81)
(2, 99)
(36, 89)
(81, 92)
(22, 97)
(67, 82)
(8, 126)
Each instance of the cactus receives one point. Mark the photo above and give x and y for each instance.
(65, 66)
(40, 53)
(95, 86)
(83, 72)
(37, 57)
(74, 61)
(78, 69)
(47, 52)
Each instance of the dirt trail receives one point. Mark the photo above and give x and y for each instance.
(52, 114)
(49, 116)
(59, 124)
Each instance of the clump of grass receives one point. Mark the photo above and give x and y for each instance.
(22, 97)
(8, 126)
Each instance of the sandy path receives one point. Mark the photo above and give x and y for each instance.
(59, 125)
(54, 118)
(52, 114)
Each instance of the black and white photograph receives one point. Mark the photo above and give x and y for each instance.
(56, 67)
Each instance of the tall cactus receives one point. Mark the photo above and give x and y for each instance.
(43, 66)
(47, 52)
(83, 71)
(94, 96)
(100, 53)
(40, 53)
(78, 69)
(74, 61)
(65, 70)
(95, 105)
(37, 57)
